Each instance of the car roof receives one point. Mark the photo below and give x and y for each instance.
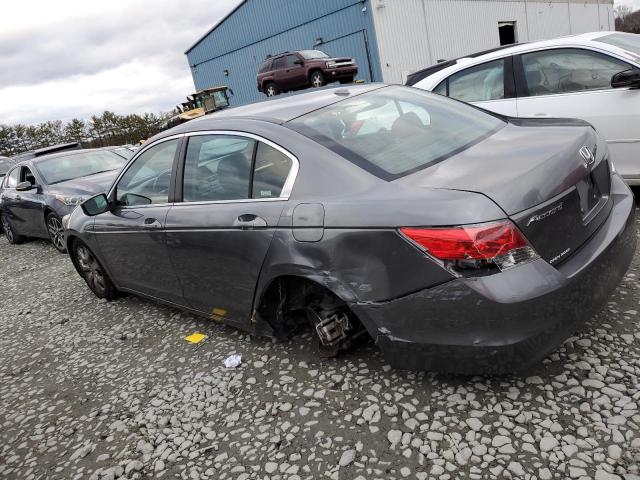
(588, 39)
(46, 150)
(279, 110)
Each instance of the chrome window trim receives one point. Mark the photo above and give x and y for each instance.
(288, 183)
(135, 157)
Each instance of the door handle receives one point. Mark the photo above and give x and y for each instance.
(249, 221)
(151, 223)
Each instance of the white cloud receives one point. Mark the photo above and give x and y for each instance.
(634, 4)
(74, 58)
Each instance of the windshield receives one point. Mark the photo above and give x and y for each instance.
(312, 54)
(62, 168)
(626, 41)
(5, 165)
(394, 131)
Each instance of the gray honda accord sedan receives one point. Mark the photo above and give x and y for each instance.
(459, 240)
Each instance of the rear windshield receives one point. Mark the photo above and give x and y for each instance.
(394, 131)
(626, 41)
(62, 168)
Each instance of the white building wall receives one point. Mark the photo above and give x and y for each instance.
(413, 34)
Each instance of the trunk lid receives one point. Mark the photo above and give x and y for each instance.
(550, 177)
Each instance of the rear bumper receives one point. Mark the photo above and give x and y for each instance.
(508, 321)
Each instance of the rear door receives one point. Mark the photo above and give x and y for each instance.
(132, 237)
(489, 85)
(234, 189)
(576, 83)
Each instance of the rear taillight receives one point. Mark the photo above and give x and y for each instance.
(474, 248)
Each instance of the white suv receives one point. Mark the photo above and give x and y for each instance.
(593, 76)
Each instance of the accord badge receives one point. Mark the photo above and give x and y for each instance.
(543, 215)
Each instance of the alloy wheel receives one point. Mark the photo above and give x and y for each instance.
(316, 80)
(271, 91)
(56, 232)
(90, 269)
(7, 229)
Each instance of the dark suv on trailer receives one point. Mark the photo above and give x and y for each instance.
(303, 69)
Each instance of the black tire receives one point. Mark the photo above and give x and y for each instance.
(91, 270)
(271, 89)
(56, 232)
(9, 232)
(346, 80)
(317, 79)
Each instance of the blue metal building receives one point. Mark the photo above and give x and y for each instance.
(231, 52)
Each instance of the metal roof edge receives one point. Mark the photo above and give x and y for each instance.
(220, 22)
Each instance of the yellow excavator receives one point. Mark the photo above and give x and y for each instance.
(201, 103)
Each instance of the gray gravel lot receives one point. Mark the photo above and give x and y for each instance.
(103, 390)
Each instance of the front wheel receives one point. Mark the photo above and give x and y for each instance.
(9, 231)
(56, 232)
(317, 79)
(92, 272)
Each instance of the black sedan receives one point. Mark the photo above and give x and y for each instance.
(459, 240)
(37, 193)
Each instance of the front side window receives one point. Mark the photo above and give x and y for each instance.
(478, 84)
(569, 70)
(13, 178)
(291, 61)
(148, 179)
(394, 131)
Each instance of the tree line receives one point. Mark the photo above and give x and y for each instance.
(627, 20)
(107, 129)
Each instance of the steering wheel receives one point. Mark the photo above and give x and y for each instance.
(157, 187)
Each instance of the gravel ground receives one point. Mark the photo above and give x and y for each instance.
(104, 390)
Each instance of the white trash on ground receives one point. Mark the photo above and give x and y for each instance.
(233, 361)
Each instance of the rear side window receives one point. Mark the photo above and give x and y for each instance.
(394, 131)
(218, 168)
(271, 172)
(569, 70)
(265, 66)
(478, 84)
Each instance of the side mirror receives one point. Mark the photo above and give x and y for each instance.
(25, 186)
(298, 62)
(95, 205)
(628, 78)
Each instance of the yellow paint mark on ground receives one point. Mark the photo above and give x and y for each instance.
(195, 337)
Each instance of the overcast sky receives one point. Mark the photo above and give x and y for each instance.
(72, 58)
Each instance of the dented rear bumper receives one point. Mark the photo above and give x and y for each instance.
(508, 321)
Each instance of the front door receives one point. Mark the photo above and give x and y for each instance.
(234, 190)
(132, 237)
(295, 73)
(30, 205)
(576, 83)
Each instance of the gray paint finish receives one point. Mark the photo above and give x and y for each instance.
(420, 313)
